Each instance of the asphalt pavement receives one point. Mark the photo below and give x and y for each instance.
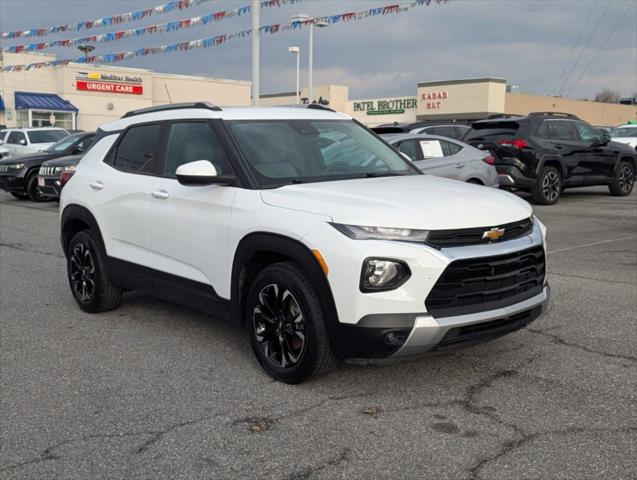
(158, 391)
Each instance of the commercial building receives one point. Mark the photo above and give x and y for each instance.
(462, 101)
(79, 96)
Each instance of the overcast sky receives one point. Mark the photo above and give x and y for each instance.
(526, 42)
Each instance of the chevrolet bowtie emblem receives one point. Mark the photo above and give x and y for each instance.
(493, 234)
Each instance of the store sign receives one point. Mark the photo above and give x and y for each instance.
(385, 107)
(433, 100)
(103, 82)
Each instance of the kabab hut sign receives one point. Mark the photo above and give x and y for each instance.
(432, 100)
(103, 82)
(385, 107)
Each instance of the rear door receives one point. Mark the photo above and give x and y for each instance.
(436, 163)
(566, 142)
(189, 225)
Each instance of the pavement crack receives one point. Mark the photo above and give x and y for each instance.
(584, 277)
(345, 455)
(560, 341)
(29, 250)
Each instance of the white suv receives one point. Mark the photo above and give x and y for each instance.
(24, 141)
(302, 226)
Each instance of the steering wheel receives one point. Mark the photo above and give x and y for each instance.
(337, 165)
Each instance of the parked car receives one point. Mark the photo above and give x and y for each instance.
(545, 152)
(236, 212)
(447, 158)
(4, 152)
(19, 176)
(625, 134)
(53, 174)
(455, 131)
(24, 141)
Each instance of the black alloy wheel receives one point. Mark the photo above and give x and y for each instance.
(548, 188)
(624, 180)
(279, 326)
(32, 190)
(82, 272)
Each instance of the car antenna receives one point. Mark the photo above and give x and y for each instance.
(168, 93)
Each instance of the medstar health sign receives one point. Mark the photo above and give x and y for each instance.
(385, 107)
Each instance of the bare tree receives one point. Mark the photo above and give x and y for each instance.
(608, 95)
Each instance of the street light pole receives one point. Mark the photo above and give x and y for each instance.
(256, 34)
(310, 55)
(296, 51)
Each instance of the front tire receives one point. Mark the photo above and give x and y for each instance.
(286, 325)
(31, 187)
(623, 181)
(88, 279)
(548, 187)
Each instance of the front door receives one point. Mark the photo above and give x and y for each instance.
(188, 225)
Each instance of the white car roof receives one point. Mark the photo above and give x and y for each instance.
(232, 113)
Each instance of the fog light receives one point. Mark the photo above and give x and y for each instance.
(396, 338)
(381, 274)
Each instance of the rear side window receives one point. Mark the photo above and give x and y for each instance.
(563, 130)
(192, 141)
(543, 130)
(15, 137)
(449, 148)
(409, 148)
(137, 150)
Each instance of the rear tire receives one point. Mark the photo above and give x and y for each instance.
(31, 187)
(624, 180)
(88, 279)
(548, 187)
(286, 325)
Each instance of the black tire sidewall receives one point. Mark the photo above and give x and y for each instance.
(614, 187)
(538, 193)
(31, 188)
(312, 314)
(101, 279)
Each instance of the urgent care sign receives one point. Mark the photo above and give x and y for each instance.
(102, 82)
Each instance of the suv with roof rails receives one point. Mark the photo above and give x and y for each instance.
(545, 152)
(302, 226)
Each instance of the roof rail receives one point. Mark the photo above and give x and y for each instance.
(503, 115)
(172, 106)
(318, 106)
(552, 114)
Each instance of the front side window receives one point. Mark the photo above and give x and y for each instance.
(137, 150)
(296, 151)
(586, 133)
(563, 130)
(192, 141)
(15, 137)
(85, 144)
(47, 136)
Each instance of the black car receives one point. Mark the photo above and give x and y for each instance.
(49, 176)
(456, 131)
(546, 152)
(19, 175)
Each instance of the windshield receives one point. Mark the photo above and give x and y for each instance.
(622, 132)
(299, 151)
(46, 136)
(63, 144)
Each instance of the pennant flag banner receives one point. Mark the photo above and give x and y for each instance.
(149, 29)
(221, 39)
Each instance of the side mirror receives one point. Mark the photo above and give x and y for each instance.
(22, 141)
(202, 172)
(605, 138)
(76, 150)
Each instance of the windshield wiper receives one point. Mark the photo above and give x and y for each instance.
(383, 174)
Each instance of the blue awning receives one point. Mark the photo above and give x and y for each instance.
(42, 101)
(1, 103)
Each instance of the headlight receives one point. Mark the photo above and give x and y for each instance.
(359, 232)
(67, 168)
(380, 274)
(16, 166)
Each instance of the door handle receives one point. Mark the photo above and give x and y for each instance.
(559, 147)
(96, 185)
(459, 165)
(160, 194)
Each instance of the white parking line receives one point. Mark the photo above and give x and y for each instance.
(566, 249)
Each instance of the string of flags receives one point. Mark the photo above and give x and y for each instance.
(219, 40)
(149, 29)
(127, 17)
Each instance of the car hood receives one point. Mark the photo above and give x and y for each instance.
(63, 161)
(33, 159)
(625, 140)
(416, 201)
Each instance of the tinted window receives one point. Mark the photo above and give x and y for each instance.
(192, 141)
(283, 151)
(409, 148)
(137, 149)
(543, 130)
(443, 131)
(85, 144)
(47, 136)
(449, 148)
(15, 137)
(562, 130)
(586, 133)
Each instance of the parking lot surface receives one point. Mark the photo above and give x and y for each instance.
(155, 390)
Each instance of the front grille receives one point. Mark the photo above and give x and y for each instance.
(486, 283)
(4, 168)
(481, 332)
(474, 236)
(47, 171)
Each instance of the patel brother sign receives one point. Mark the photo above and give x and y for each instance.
(385, 107)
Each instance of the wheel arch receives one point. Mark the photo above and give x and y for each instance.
(260, 249)
(76, 218)
(625, 158)
(552, 161)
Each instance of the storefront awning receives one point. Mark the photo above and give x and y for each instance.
(42, 101)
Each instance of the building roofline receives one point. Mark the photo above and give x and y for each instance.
(436, 83)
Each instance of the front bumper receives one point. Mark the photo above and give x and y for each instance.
(49, 186)
(12, 183)
(431, 333)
